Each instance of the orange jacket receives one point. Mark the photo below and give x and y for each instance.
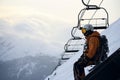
(92, 44)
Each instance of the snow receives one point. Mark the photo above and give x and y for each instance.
(113, 35)
(65, 71)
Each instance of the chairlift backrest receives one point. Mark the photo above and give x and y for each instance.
(73, 45)
(94, 20)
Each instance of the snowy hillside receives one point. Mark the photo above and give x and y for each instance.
(65, 71)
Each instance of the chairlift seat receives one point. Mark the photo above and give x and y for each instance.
(100, 27)
(71, 51)
(65, 58)
(76, 38)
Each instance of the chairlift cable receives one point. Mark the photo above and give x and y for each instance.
(95, 12)
(78, 19)
(82, 12)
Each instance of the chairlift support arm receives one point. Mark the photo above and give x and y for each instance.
(89, 6)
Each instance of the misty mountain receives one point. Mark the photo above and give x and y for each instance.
(28, 36)
(24, 44)
(28, 68)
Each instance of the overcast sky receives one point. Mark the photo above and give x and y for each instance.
(49, 21)
(62, 9)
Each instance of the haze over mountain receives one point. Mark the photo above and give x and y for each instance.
(30, 47)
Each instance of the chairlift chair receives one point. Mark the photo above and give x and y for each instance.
(95, 20)
(73, 45)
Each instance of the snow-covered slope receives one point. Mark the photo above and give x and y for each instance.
(65, 71)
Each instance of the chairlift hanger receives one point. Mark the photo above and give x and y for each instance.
(80, 15)
(95, 8)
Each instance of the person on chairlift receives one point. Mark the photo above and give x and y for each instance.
(89, 56)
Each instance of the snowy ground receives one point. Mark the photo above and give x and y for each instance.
(65, 71)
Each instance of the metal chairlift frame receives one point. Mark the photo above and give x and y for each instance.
(98, 27)
(92, 7)
(78, 27)
(80, 15)
(67, 45)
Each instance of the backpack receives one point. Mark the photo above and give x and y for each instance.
(102, 51)
(103, 48)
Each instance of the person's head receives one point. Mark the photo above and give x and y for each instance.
(87, 29)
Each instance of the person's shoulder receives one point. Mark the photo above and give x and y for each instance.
(95, 34)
